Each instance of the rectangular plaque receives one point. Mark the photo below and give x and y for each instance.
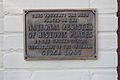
(60, 34)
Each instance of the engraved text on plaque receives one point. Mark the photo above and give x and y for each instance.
(60, 34)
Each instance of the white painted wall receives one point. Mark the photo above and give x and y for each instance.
(1, 40)
(12, 62)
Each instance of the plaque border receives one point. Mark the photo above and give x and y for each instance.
(26, 11)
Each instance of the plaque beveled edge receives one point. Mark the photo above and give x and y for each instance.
(94, 10)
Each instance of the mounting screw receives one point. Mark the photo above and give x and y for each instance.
(95, 56)
(94, 10)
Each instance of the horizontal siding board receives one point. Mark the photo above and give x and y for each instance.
(17, 6)
(105, 75)
(16, 60)
(1, 42)
(13, 24)
(1, 10)
(1, 25)
(1, 60)
(90, 74)
(1, 74)
(15, 40)
(104, 6)
(19, 75)
(107, 22)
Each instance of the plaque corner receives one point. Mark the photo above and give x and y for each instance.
(25, 11)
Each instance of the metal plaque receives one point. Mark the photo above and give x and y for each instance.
(60, 34)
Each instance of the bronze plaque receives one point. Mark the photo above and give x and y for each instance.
(60, 34)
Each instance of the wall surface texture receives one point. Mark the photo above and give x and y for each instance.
(12, 62)
(118, 32)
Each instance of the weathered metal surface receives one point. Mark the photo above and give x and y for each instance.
(60, 34)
